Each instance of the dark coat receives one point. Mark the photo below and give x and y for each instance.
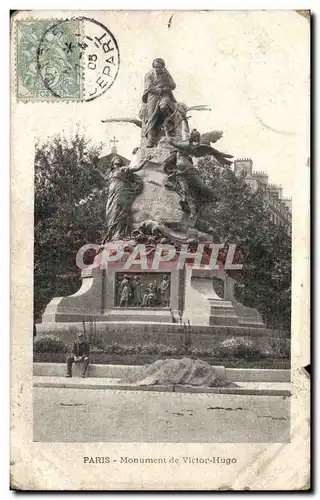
(80, 349)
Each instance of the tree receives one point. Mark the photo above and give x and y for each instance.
(242, 217)
(68, 213)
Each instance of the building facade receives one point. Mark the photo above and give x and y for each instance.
(280, 208)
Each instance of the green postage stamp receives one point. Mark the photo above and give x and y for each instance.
(64, 60)
(48, 60)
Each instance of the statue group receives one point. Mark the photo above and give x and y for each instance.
(142, 290)
(163, 122)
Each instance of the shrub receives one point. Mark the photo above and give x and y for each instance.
(168, 350)
(149, 349)
(280, 347)
(240, 347)
(113, 349)
(233, 347)
(49, 343)
(96, 349)
(204, 351)
(128, 349)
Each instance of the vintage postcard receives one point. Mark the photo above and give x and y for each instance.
(160, 250)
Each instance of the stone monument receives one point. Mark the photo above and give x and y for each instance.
(157, 202)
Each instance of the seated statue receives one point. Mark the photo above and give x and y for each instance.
(159, 101)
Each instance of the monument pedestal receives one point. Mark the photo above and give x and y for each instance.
(202, 304)
(248, 316)
(104, 296)
(85, 304)
(99, 298)
(192, 297)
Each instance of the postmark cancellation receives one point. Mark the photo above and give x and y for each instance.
(63, 59)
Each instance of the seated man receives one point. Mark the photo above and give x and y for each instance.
(159, 102)
(79, 354)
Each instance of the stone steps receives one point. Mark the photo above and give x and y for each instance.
(250, 375)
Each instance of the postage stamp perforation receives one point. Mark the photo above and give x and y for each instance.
(58, 62)
(48, 98)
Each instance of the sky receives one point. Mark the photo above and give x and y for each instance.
(250, 67)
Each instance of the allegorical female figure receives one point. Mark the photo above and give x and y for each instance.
(159, 101)
(123, 187)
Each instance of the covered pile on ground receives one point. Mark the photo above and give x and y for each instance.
(184, 371)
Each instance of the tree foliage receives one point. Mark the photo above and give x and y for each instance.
(241, 216)
(68, 213)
